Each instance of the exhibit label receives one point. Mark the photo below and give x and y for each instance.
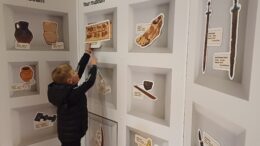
(94, 2)
(142, 27)
(38, 1)
(141, 141)
(137, 94)
(215, 37)
(57, 46)
(209, 141)
(221, 61)
(22, 45)
(21, 86)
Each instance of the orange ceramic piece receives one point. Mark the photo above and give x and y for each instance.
(50, 32)
(26, 73)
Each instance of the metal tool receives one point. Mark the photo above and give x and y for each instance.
(234, 32)
(146, 93)
(208, 13)
(200, 138)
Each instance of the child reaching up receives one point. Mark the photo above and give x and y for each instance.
(70, 99)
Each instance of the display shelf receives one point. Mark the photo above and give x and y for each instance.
(26, 101)
(103, 15)
(145, 12)
(143, 1)
(132, 133)
(109, 129)
(43, 36)
(104, 92)
(23, 79)
(217, 75)
(51, 65)
(149, 126)
(145, 105)
(215, 129)
(148, 117)
(52, 142)
(23, 128)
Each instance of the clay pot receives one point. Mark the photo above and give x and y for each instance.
(50, 26)
(50, 32)
(50, 37)
(26, 73)
(22, 33)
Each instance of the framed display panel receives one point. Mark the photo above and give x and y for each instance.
(144, 13)
(104, 91)
(103, 15)
(24, 132)
(35, 18)
(214, 129)
(143, 105)
(51, 65)
(16, 79)
(109, 129)
(131, 134)
(223, 42)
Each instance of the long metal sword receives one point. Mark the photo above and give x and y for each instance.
(206, 37)
(234, 32)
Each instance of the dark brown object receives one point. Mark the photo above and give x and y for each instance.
(146, 93)
(234, 14)
(22, 33)
(200, 138)
(148, 85)
(206, 38)
(102, 134)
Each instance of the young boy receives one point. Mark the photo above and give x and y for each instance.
(70, 99)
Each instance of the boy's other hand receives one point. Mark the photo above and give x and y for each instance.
(93, 60)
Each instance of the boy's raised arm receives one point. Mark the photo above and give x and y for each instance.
(89, 82)
(82, 64)
(84, 61)
(91, 78)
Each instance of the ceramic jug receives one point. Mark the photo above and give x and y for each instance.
(22, 33)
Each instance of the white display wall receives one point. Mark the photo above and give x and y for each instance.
(222, 110)
(190, 105)
(22, 100)
(124, 65)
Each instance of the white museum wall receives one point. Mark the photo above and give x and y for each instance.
(18, 108)
(163, 62)
(187, 99)
(223, 108)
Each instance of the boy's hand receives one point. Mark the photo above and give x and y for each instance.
(88, 48)
(93, 60)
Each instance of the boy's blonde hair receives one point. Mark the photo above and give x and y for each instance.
(61, 73)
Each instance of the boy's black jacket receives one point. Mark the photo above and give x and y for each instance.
(71, 103)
